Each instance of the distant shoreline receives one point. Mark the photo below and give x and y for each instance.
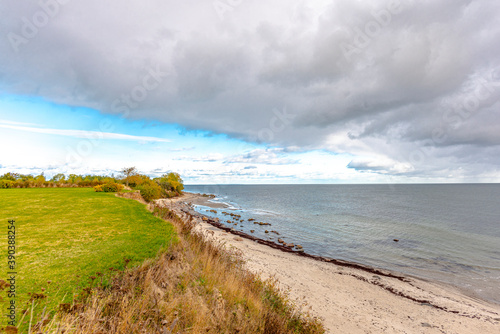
(338, 290)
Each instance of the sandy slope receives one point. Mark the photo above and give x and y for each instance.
(356, 301)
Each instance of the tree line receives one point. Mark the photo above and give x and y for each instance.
(168, 185)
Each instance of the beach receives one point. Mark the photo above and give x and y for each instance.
(351, 298)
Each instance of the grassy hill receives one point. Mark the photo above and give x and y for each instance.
(71, 237)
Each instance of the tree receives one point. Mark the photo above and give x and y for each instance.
(78, 180)
(40, 180)
(128, 172)
(26, 178)
(10, 176)
(72, 178)
(171, 182)
(58, 178)
(176, 182)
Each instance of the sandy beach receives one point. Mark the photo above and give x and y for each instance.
(351, 298)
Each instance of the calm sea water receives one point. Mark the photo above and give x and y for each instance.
(447, 233)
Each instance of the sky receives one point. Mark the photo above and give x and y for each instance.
(246, 91)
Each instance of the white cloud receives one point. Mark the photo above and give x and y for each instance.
(86, 134)
(3, 121)
(381, 165)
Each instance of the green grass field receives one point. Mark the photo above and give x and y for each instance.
(66, 235)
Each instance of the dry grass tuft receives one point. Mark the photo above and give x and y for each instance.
(194, 287)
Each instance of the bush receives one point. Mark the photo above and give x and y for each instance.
(136, 180)
(150, 191)
(169, 194)
(25, 184)
(6, 184)
(110, 187)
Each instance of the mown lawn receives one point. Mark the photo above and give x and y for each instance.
(67, 235)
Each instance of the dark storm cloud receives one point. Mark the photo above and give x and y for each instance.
(411, 86)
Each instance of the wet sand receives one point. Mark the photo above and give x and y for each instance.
(351, 298)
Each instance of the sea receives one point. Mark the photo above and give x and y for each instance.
(447, 233)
